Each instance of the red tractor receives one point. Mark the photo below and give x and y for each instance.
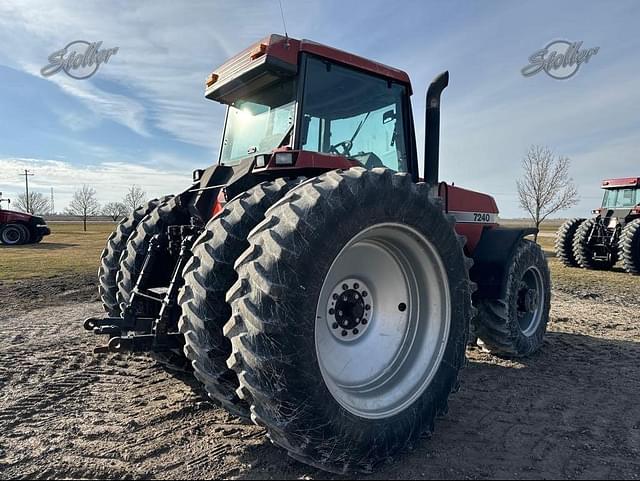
(311, 280)
(18, 228)
(613, 233)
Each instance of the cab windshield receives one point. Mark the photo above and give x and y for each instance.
(621, 198)
(259, 123)
(350, 113)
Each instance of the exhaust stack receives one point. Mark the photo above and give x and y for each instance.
(432, 128)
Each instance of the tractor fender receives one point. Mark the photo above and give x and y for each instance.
(492, 257)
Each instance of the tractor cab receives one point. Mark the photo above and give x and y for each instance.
(298, 104)
(621, 199)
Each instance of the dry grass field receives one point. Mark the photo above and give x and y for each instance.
(68, 250)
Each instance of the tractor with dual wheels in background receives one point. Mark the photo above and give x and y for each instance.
(312, 280)
(611, 235)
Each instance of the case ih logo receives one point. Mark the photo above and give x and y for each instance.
(560, 59)
(79, 59)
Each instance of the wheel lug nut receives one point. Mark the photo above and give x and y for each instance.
(345, 287)
(367, 307)
(335, 325)
(364, 322)
(355, 331)
(365, 293)
(356, 285)
(344, 333)
(335, 296)
(331, 311)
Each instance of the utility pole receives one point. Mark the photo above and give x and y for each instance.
(27, 174)
(51, 208)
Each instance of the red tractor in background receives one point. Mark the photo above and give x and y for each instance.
(18, 228)
(311, 280)
(612, 235)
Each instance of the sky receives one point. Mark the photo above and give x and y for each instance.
(143, 119)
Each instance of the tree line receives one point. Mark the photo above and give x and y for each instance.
(84, 204)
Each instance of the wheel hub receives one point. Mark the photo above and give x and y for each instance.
(527, 299)
(382, 320)
(349, 309)
(11, 235)
(530, 301)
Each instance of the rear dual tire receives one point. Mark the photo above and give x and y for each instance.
(208, 276)
(281, 330)
(564, 242)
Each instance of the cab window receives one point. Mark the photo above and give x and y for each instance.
(354, 114)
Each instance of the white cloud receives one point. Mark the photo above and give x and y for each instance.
(110, 179)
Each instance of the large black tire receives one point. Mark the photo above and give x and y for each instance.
(169, 212)
(583, 253)
(564, 242)
(502, 324)
(110, 257)
(14, 234)
(629, 245)
(208, 276)
(274, 309)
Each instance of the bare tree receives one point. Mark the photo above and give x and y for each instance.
(545, 187)
(38, 204)
(135, 198)
(84, 204)
(115, 210)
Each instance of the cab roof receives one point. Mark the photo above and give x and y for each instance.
(621, 183)
(284, 51)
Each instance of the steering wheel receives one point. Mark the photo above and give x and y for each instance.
(346, 146)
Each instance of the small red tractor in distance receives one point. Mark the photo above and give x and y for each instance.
(18, 228)
(311, 280)
(611, 235)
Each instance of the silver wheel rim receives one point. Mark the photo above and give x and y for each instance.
(7, 236)
(386, 365)
(530, 310)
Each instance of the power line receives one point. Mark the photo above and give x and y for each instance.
(27, 174)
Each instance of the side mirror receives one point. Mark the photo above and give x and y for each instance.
(388, 116)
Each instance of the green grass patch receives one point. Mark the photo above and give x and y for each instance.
(68, 250)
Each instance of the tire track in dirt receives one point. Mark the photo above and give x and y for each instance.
(571, 411)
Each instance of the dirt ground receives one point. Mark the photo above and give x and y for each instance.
(572, 411)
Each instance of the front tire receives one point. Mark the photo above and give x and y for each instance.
(515, 325)
(332, 400)
(630, 247)
(14, 234)
(208, 276)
